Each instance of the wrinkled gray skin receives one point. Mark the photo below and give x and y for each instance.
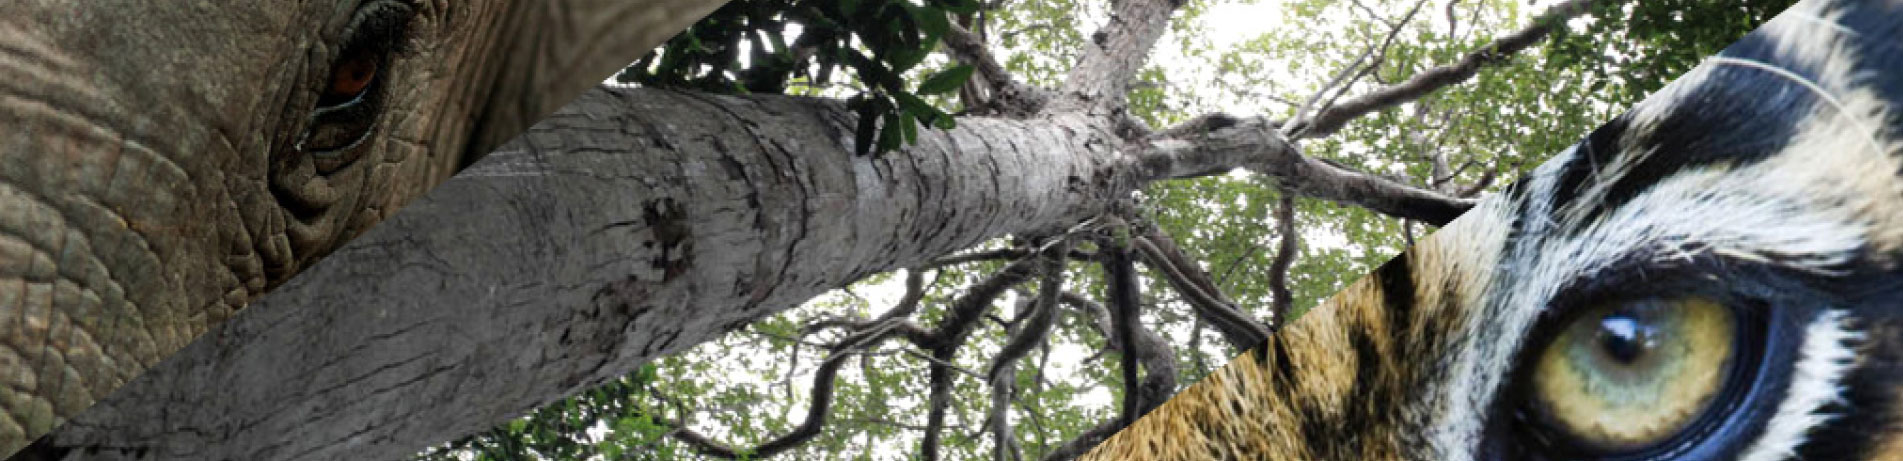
(151, 182)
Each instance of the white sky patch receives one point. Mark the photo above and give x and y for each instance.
(1231, 24)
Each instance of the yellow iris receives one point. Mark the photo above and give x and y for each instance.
(1624, 376)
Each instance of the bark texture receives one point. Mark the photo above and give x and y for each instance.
(632, 224)
(549, 53)
(151, 183)
(1257, 145)
(637, 223)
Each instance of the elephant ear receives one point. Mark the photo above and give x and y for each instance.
(553, 51)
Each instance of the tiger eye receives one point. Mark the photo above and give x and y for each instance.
(1629, 375)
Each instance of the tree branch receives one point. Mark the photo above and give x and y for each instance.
(632, 224)
(1085, 441)
(864, 335)
(1120, 272)
(1255, 144)
(1281, 299)
(824, 380)
(1113, 56)
(1242, 331)
(999, 254)
(1353, 68)
(1486, 180)
(1375, 55)
(966, 47)
(950, 334)
(894, 320)
(1009, 97)
(1332, 119)
(1033, 326)
(1158, 384)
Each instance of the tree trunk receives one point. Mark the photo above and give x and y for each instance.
(638, 222)
(635, 223)
(632, 224)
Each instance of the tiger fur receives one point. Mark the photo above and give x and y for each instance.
(1767, 181)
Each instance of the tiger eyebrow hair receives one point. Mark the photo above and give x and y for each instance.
(1819, 90)
(1822, 21)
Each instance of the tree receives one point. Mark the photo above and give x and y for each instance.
(637, 222)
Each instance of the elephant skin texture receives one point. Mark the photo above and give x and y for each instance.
(165, 163)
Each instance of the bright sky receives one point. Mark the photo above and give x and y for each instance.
(1226, 24)
(1231, 23)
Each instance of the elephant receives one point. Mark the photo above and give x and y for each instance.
(165, 163)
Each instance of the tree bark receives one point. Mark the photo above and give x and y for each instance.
(636, 223)
(550, 45)
(1257, 145)
(632, 224)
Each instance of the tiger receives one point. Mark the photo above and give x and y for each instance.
(1713, 274)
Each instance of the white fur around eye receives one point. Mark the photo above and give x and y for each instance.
(1823, 360)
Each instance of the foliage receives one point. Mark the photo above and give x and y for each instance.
(742, 48)
(1527, 109)
(751, 385)
(552, 432)
(1635, 48)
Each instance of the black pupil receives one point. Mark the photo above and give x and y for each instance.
(1624, 337)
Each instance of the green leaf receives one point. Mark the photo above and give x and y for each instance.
(924, 112)
(890, 135)
(931, 20)
(910, 127)
(912, 103)
(646, 374)
(945, 81)
(904, 59)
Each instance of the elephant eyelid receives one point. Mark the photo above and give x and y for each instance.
(335, 131)
(374, 35)
(333, 154)
(354, 116)
(380, 26)
(349, 99)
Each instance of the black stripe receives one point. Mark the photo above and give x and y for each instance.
(1396, 279)
(1597, 149)
(1343, 437)
(1516, 194)
(1737, 115)
(1284, 368)
(1878, 45)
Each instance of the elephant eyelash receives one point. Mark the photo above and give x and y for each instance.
(346, 108)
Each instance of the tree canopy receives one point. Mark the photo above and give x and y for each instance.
(855, 374)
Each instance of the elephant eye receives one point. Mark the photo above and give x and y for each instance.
(350, 97)
(1634, 378)
(350, 78)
